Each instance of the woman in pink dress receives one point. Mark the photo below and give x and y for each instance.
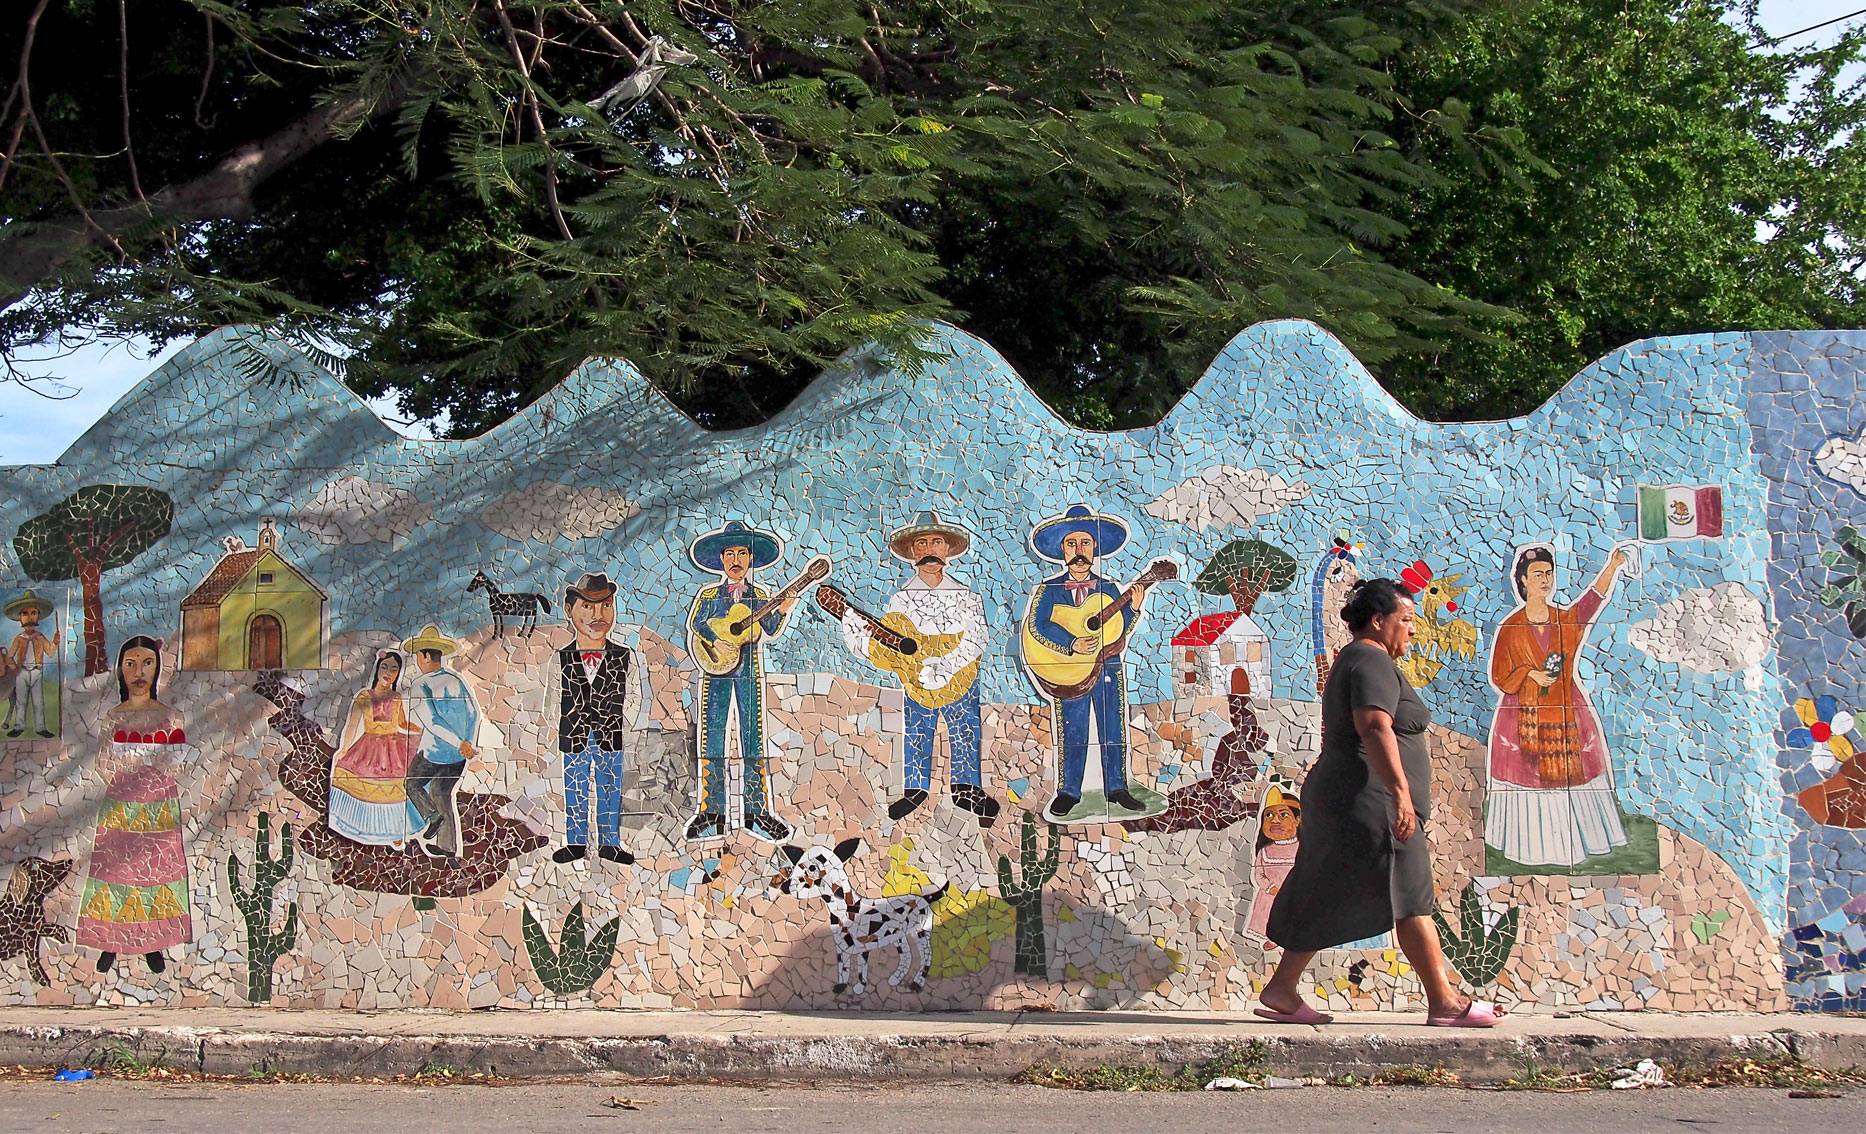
(368, 792)
(136, 893)
(1277, 838)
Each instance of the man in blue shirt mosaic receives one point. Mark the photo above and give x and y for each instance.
(441, 705)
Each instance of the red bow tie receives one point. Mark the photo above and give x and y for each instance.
(592, 657)
(1078, 588)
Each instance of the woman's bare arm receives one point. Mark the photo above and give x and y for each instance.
(1375, 726)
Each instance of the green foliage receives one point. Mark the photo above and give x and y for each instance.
(99, 527)
(95, 529)
(1663, 178)
(1249, 1061)
(1245, 569)
(1025, 894)
(576, 963)
(1478, 196)
(1478, 954)
(1845, 588)
(264, 945)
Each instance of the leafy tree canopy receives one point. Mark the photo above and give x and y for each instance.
(468, 197)
(1250, 561)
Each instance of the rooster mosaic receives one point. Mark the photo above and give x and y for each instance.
(1436, 638)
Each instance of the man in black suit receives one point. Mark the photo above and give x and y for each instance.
(599, 699)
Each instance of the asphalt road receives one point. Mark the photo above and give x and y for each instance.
(107, 1106)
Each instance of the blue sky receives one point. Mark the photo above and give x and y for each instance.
(35, 429)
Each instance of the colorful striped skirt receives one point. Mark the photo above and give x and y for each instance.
(136, 895)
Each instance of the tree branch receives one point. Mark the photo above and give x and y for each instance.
(31, 252)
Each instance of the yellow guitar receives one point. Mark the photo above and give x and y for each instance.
(897, 645)
(739, 626)
(1063, 674)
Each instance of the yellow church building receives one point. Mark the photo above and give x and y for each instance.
(254, 611)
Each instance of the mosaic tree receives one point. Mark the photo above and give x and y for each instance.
(1245, 569)
(96, 529)
(1025, 894)
(264, 945)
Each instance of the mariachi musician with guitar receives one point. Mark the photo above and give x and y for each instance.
(729, 621)
(1074, 633)
(931, 636)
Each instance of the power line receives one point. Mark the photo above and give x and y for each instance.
(1771, 41)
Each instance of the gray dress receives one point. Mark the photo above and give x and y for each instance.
(1352, 879)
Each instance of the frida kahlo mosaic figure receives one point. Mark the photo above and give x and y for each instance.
(1550, 800)
(136, 891)
(726, 629)
(369, 800)
(932, 637)
(598, 691)
(1075, 633)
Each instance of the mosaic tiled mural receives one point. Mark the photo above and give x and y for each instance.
(916, 697)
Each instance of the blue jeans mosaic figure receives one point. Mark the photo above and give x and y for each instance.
(963, 729)
(741, 690)
(1106, 701)
(602, 768)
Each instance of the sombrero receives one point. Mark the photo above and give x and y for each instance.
(18, 606)
(430, 638)
(765, 547)
(1046, 539)
(929, 523)
(593, 587)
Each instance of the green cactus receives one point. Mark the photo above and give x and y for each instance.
(573, 967)
(264, 946)
(1478, 954)
(1026, 896)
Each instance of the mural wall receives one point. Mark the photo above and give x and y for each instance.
(602, 708)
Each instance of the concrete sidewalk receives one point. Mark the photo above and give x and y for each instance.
(813, 1047)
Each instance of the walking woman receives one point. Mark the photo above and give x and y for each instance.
(1364, 864)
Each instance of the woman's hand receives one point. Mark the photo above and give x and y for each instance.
(1405, 819)
(1542, 677)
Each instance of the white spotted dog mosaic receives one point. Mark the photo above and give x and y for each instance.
(604, 709)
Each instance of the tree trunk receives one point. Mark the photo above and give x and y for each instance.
(96, 650)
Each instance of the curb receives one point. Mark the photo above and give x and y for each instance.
(1475, 1058)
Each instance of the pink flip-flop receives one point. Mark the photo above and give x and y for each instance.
(1302, 1015)
(1477, 1014)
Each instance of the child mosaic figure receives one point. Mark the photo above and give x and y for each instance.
(443, 708)
(600, 696)
(940, 683)
(733, 673)
(28, 656)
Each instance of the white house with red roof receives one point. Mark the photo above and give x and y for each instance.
(1215, 653)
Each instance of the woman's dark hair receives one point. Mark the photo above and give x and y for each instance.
(375, 676)
(1372, 598)
(140, 642)
(1528, 556)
